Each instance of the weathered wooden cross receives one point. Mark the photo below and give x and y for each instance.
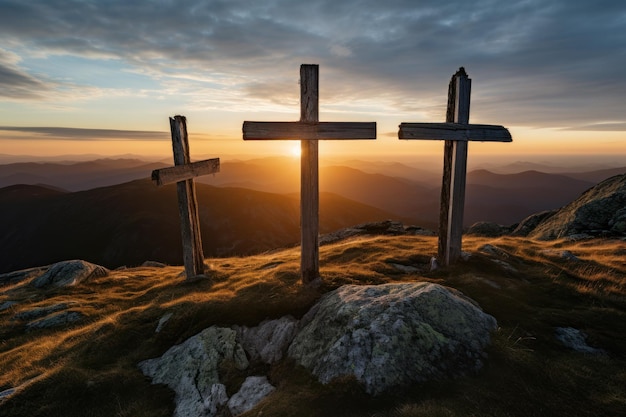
(183, 174)
(456, 132)
(309, 130)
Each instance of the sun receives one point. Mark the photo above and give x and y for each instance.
(295, 150)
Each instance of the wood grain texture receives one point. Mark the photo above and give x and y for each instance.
(193, 256)
(458, 172)
(178, 173)
(307, 130)
(454, 131)
(309, 182)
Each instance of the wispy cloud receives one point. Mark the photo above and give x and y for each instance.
(67, 133)
(549, 63)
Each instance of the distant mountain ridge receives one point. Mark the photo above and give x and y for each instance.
(403, 191)
(77, 176)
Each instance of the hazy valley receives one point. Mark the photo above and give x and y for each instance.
(98, 210)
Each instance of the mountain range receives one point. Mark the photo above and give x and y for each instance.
(102, 210)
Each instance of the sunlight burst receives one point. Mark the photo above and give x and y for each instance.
(295, 150)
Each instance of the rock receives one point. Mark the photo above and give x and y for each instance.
(22, 275)
(488, 229)
(387, 227)
(153, 264)
(434, 265)
(599, 211)
(7, 305)
(407, 269)
(419, 231)
(68, 273)
(391, 335)
(529, 224)
(162, 322)
(6, 393)
(493, 250)
(269, 340)
(41, 311)
(563, 254)
(252, 391)
(55, 320)
(505, 265)
(575, 339)
(190, 369)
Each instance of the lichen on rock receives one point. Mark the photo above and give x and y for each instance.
(390, 335)
(191, 370)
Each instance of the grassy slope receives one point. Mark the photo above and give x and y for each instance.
(90, 369)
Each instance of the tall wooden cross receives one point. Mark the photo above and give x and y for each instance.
(309, 130)
(456, 132)
(183, 174)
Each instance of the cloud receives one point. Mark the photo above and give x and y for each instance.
(16, 83)
(66, 133)
(543, 63)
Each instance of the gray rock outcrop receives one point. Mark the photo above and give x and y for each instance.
(599, 211)
(66, 273)
(191, 370)
(390, 335)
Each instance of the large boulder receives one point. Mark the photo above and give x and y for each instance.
(390, 335)
(599, 211)
(191, 370)
(66, 273)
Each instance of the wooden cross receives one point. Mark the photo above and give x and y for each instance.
(456, 132)
(182, 174)
(309, 130)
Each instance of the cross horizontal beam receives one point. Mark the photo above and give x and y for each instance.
(178, 173)
(308, 130)
(454, 131)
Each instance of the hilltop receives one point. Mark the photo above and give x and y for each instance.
(89, 367)
(129, 223)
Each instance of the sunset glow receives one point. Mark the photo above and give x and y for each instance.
(295, 150)
(70, 85)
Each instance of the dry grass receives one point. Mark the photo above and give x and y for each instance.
(89, 369)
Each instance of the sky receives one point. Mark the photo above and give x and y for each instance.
(104, 76)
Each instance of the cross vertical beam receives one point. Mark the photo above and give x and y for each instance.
(454, 172)
(309, 174)
(193, 257)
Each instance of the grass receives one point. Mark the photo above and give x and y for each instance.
(90, 368)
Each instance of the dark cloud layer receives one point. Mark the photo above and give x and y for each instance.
(534, 62)
(67, 133)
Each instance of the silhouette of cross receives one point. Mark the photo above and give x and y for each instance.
(309, 130)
